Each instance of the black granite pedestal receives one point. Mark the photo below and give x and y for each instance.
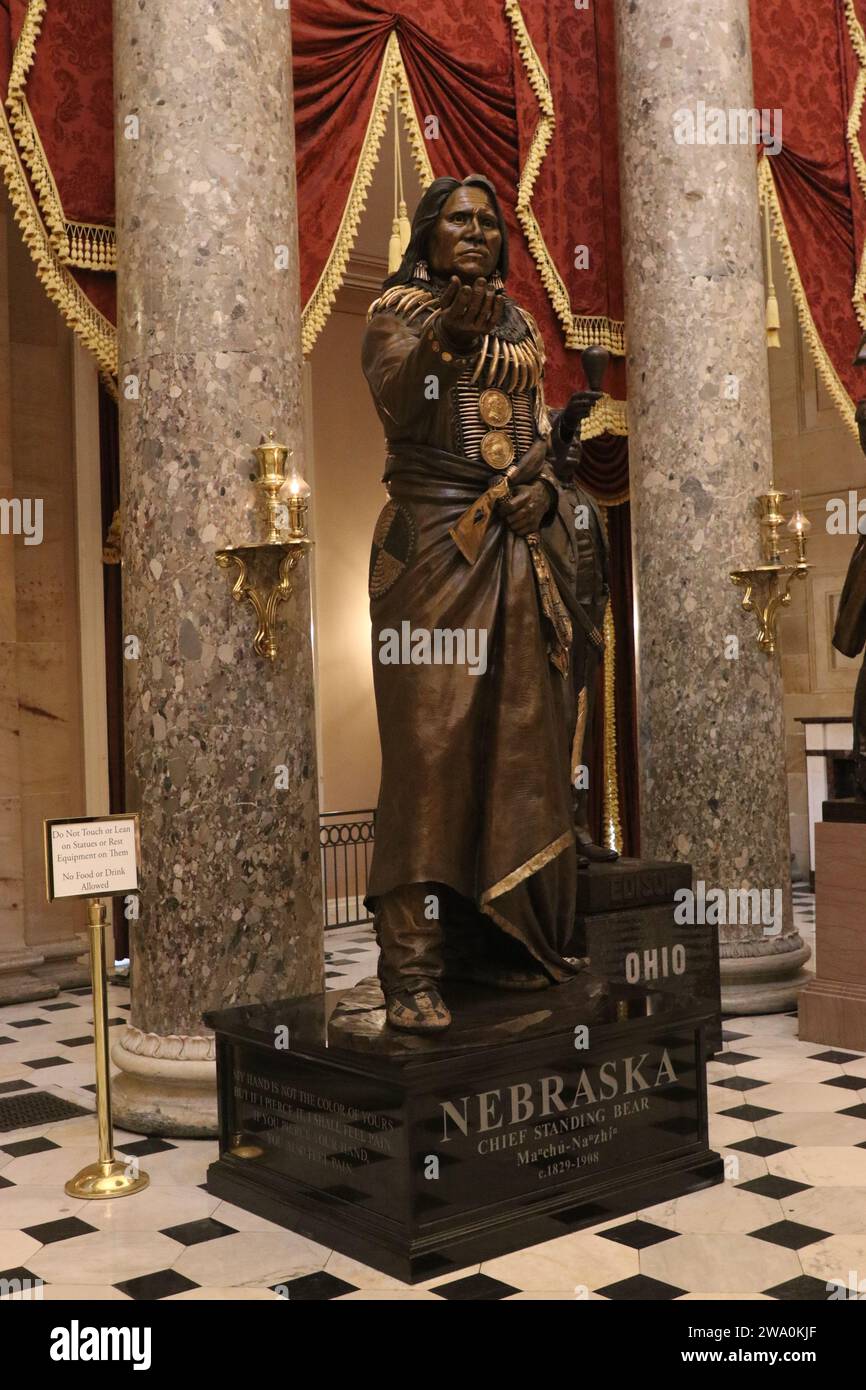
(533, 1116)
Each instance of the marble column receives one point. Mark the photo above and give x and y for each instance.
(210, 359)
(712, 749)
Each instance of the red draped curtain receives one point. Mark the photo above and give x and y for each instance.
(481, 87)
(528, 90)
(57, 155)
(810, 65)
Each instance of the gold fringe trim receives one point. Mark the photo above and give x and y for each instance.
(605, 502)
(392, 76)
(417, 143)
(608, 416)
(85, 245)
(41, 176)
(91, 327)
(91, 246)
(580, 330)
(25, 48)
(768, 195)
(526, 870)
(611, 825)
(852, 133)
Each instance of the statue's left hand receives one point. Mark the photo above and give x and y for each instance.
(526, 508)
(578, 408)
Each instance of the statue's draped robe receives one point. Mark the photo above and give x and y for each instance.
(475, 790)
(849, 636)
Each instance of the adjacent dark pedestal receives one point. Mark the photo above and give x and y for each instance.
(849, 808)
(832, 1006)
(420, 1156)
(627, 927)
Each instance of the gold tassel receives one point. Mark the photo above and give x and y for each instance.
(401, 229)
(395, 253)
(772, 321)
(773, 325)
(405, 226)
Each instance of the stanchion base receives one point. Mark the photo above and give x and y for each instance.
(106, 1180)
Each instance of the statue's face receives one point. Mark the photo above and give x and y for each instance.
(466, 240)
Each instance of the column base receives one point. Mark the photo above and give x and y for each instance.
(19, 981)
(66, 962)
(166, 1085)
(21, 989)
(763, 976)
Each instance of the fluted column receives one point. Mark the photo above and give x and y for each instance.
(210, 359)
(710, 718)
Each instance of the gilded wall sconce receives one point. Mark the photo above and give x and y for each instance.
(287, 538)
(768, 586)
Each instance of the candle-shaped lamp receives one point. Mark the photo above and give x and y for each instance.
(799, 527)
(299, 492)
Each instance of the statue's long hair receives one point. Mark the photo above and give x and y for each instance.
(427, 215)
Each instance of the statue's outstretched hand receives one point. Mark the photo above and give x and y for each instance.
(469, 311)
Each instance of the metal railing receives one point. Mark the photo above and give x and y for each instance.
(346, 841)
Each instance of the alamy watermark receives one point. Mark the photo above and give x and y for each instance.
(21, 1288)
(846, 517)
(84, 1343)
(438, 646)
(22, 516)
(734, 125)
(716, 907)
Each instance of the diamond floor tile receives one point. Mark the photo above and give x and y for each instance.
(475, 1288)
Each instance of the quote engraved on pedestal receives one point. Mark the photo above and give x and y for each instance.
(309, 1126)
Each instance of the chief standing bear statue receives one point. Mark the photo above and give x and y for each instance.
(486, 605)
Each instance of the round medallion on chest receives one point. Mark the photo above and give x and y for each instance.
(497, 449)
(495, 408)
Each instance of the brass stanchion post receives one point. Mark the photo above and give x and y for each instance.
(108, 1177)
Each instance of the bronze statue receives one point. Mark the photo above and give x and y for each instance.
(849, 636)
(475, 601)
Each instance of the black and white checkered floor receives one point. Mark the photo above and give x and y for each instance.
(788, 1223)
